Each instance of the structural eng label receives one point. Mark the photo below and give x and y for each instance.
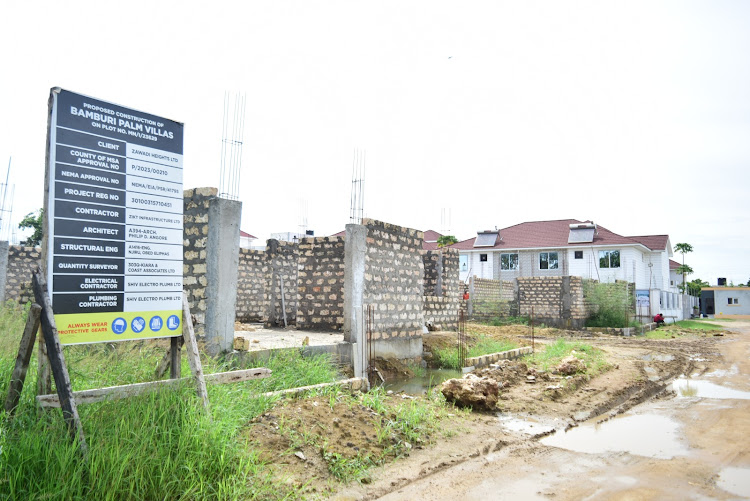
(114, 212)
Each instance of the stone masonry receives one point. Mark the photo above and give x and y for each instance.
(283, 263)
(394, 282)
(492, 298)
(321, 283)
(555, 301)
(195, 238)
(252, 299)
(22, 262)
(442, 289)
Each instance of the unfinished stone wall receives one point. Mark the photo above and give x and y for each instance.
(252, 281)
(22, 262)
(283, 260)
(393, 281)
(321, 283)
(492, 299)
(443, 290)
(196, 202)
(556, 301)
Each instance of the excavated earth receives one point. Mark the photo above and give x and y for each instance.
(639, 370)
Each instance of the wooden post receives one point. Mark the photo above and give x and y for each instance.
(191, 349)
(22, 360)
(175, 364)
(44, 378)
(57, 363)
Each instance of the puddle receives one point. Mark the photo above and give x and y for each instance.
(658, 358)
(646, 435)
(684, 387)
(735, 481)
(420, 385)
(733, 371)
(525, 426)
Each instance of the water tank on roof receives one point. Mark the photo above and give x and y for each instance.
(722, 282)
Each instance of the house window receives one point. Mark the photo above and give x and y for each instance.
(483, 257)
(508, 261)
(579, 254)
(609, 259)
(733, 300)
(548, 260)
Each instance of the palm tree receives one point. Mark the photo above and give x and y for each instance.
(683, 248)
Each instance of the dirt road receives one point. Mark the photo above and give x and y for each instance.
(667, 437)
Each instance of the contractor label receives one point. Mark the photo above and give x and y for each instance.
(114, 212)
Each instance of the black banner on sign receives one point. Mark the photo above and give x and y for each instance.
(87, 283)
(90, 142)
(89, 229)
(79, 247)
(89, 176)
(86, 303)
(70, 191)
(75, 210)
(85, 158)
(110, 120)
(83, 265)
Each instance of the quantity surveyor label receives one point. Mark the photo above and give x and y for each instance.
(115, 219)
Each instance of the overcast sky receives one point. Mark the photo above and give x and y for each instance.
(635, 115)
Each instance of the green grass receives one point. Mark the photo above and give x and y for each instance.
(501, 321)
(695, 324)
(156, 446)
(482, 345)
(163, 445)
(553, 353)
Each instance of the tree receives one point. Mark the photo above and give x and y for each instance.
(683, 248)
(694, 286)
(446, 240)
(683, 270)
(33, 220)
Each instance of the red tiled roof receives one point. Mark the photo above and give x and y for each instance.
(244, 234)
(553, 234)
(653, 242)
(431, 236)
(673, 265)
(340, 234)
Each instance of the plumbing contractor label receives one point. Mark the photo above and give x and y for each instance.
(114, 257)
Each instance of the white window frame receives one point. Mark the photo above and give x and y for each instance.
(609, 259)
(557, 260)
(511, 268)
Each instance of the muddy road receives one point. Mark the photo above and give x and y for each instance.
(672, 421)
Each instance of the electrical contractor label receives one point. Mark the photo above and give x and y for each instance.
(114, 257)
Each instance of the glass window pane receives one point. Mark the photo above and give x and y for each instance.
(543, 261)
(553, 260)
(514, 261)
(603, 259)
(504, 261)
(614, 259)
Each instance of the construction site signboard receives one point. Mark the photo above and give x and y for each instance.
(114, 215)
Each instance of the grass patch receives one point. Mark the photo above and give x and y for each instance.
(502, 321)
(553, 353)
(156, 446)
(696, 325)
(447, 358)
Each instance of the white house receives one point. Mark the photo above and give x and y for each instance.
(576, 248)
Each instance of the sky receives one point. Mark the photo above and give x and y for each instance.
(635, 115)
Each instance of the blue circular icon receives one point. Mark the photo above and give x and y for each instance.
(119, 325)
(156, 323)
(138, 324)
(173, 322)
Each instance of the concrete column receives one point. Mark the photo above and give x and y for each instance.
(355, 251)
(222, 263)
(3, 268)
(439, 271)
(565, 301)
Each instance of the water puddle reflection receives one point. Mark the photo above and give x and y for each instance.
(685, 387)
(735, 481)
(647, 435)
(419, 385)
